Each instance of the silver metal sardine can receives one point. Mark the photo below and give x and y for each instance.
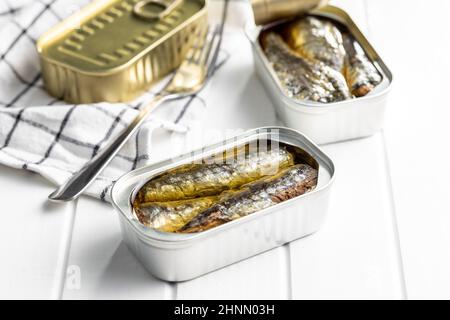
(184, 256)
(326, 122)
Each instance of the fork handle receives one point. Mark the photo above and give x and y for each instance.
(73, 187)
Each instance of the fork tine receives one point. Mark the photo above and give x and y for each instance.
(201, 47)
(196, 45)
(196, 71)
(214, 52)
(204, 54)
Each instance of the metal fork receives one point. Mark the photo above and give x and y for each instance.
(188, 80)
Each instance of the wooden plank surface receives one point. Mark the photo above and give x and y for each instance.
(34, 237)
(264, 276)
(105, 267)
(414, 37)
(355, 255)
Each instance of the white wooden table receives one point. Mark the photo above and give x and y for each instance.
(388, 229)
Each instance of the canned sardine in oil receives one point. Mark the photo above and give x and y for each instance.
(179, 256)
(323, 76)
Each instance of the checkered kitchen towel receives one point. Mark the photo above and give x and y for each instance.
(46, 135)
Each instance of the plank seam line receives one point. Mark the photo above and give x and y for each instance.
(65, 248)
(394, 219)
(288, 261)
(390, 187)
(173, 287)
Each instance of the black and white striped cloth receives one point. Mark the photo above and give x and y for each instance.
(46, 135)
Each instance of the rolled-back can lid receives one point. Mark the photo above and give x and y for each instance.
(266, 11)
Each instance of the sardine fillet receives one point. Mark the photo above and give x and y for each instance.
(301, 78)
(212, 178)
(361, 74)
(317, 39)
(255, 196)
(172, 215)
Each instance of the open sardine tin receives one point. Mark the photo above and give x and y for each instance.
(179, 257)
(325, 122)
(114, 50)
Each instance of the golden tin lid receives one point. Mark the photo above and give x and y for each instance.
(266, 11)
(113, 50)
(119, 32)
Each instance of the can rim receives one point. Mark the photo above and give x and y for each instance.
(267, 11)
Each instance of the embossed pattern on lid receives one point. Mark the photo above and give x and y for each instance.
(115, 35)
